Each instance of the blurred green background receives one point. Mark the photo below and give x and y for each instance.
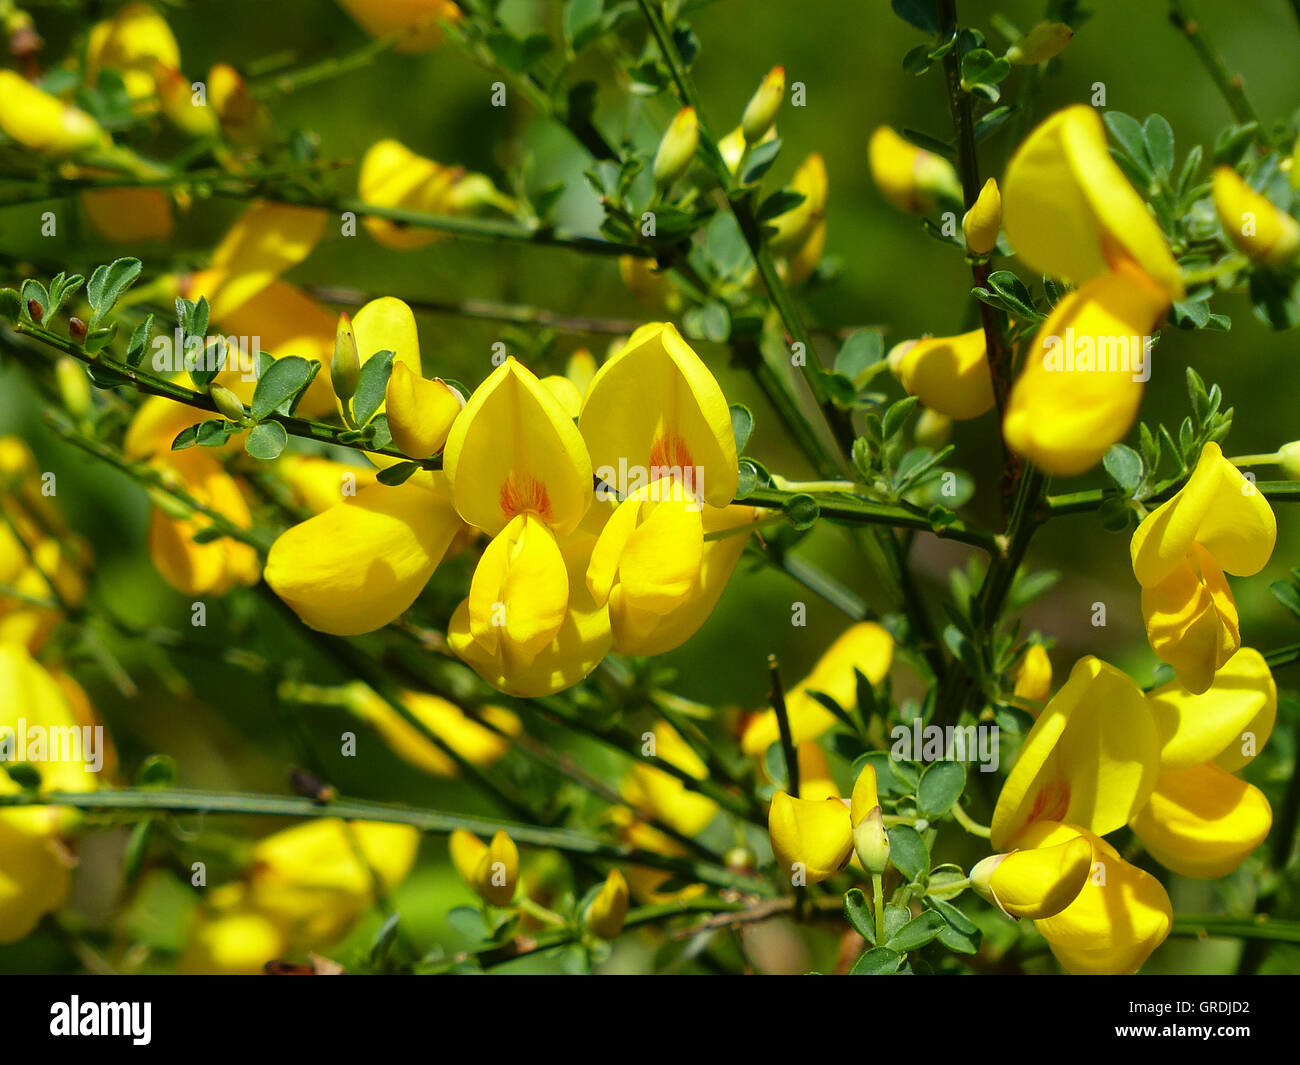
(847, 53)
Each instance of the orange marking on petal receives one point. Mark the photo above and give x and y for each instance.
(668, 455)
(525, 495)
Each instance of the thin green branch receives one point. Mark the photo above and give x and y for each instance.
(149, 801)
(1229, 84)
(1253, 927)
(783, 726)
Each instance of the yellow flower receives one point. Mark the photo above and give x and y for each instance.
(1253, 223)
(132, 42)
(200, 569)
(229, 936)
(317, 483)
(1043, 42)
(870, 841)
(663, 796)
(37, 550)
(1038, 881)
(264, 241)
(491, 869)
(1201, 821)
(865, 647)
(1120, 915)
(44, 123)
(476, 743)
(659, 431)
(245, 122)
(1216, 522)
(948, 374)
(801, 232)
(360, 564)
(676, 150)
(318, 877)
(643, 881)
(1034, 675)
(421, 18)
(420, 411)
(520, 472)
(981, 223)
(608, 910)
(34, 864)
(812, 839)
(394, 176)
(1069, 213)
(1091, 759)
(909, 177)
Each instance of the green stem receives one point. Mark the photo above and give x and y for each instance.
(878, 906)
(783, 726)
(149, 801)
(1213, 924)
(1076, 502)
(1229, 84)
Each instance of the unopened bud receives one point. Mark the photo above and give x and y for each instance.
(1289, 456)
(933, 429)
(677, 149)
(1040, 44)
(345, 367)
(761, 111)
(981, 878)
(982, 222)
(871, 842)
(35, 309)
(227, 402)
(77, 329)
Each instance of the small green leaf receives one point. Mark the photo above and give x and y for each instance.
(108, 284)
(279, 387)
(879, 961)
(372, 386)
(859, 352)
(859, 914)
(919, 931)
(1124, 466)
(1159, 139)
(1286, 594)
(802, 510)
(941, 785)
(266, 440)
(398, 473)
(761, 158)
(742, 425)
(11, 304)
(907, 852)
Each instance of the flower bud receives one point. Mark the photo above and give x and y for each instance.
(35, 310)
(608, 909)
(1289, 456)
(909, 177)
(1040, 44)
(176, 101)
(345, 367)
(981, 223)
(677, 149)
(44, 123)
(1034, 677)
(933, 430)
(420, 411)
(760, 112)
(492, 870)
(1037, 882)
(1253, 223)
(871, 842)
(74, 385)
(227, 402)
(77, 330)
(244, 120)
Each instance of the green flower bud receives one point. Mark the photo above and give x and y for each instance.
(763, 106)
(1289, 460)
(1044, 41)
(677, 149)
(227, 402)
(345, 367)
(872, 842)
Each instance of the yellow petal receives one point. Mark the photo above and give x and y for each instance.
(1068, 407)
(361, 563)
(866, 646)
(520, 591)
(1091, 758)
(475, 742)
(1253, 223)
(1203, 822)
(1069, 211)
(1034, 676)
(34, 878)
(909, 177)
(420, 412)
(815, 779)
(665, 797)
(865, 795)
(1191, 620)
(640, 632)
(42, 122)
(394, 176)
(1217, 508)
(387, 324)
(134, 39)
(656, 406)
(981, 223)
(318, 483)
(583, 639)
(521, 455)
(608, 910)
(794, 227)
(1119, 917)
(497, 872)
(467, 850)
(1036, 882)
(949, 374)
(811, 838)
(264, 242)
(420, 18)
